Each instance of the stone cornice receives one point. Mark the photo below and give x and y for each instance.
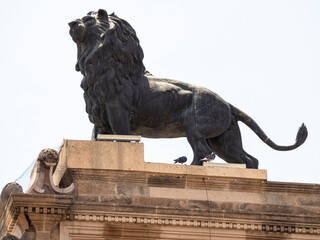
(69, 210)
(42, 204)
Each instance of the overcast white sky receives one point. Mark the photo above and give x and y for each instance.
(261, 56)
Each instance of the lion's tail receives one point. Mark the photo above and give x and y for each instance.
(241, 116)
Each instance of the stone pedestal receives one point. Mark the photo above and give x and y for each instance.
(119, 196)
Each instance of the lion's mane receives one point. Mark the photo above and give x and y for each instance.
(112, 66)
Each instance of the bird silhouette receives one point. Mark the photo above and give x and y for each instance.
(180, 160)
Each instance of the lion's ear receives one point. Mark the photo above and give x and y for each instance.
(102, 13)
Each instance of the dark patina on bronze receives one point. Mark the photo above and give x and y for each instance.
(123, 98)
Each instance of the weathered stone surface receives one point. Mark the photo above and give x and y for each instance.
(130, 156)
(141, 203)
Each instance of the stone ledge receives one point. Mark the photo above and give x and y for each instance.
(65, 210)
(225, 165)
(80, 154)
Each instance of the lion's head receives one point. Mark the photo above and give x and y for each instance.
(110, 59)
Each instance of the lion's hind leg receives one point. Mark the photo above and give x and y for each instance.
(200, 148)
(228, 146)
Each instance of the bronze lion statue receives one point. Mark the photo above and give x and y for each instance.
(123, 98)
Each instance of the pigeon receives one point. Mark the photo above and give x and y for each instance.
(180, 160)
(208, 158)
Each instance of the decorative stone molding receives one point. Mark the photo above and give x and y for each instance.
(43, 211)
(195, 222)
(4, 213)
(41, 180)
(48, 206)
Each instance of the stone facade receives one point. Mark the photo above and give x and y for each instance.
(116, 195)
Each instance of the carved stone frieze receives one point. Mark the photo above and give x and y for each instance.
(196, 222)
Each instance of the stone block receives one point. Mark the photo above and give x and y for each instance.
(102, 155)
